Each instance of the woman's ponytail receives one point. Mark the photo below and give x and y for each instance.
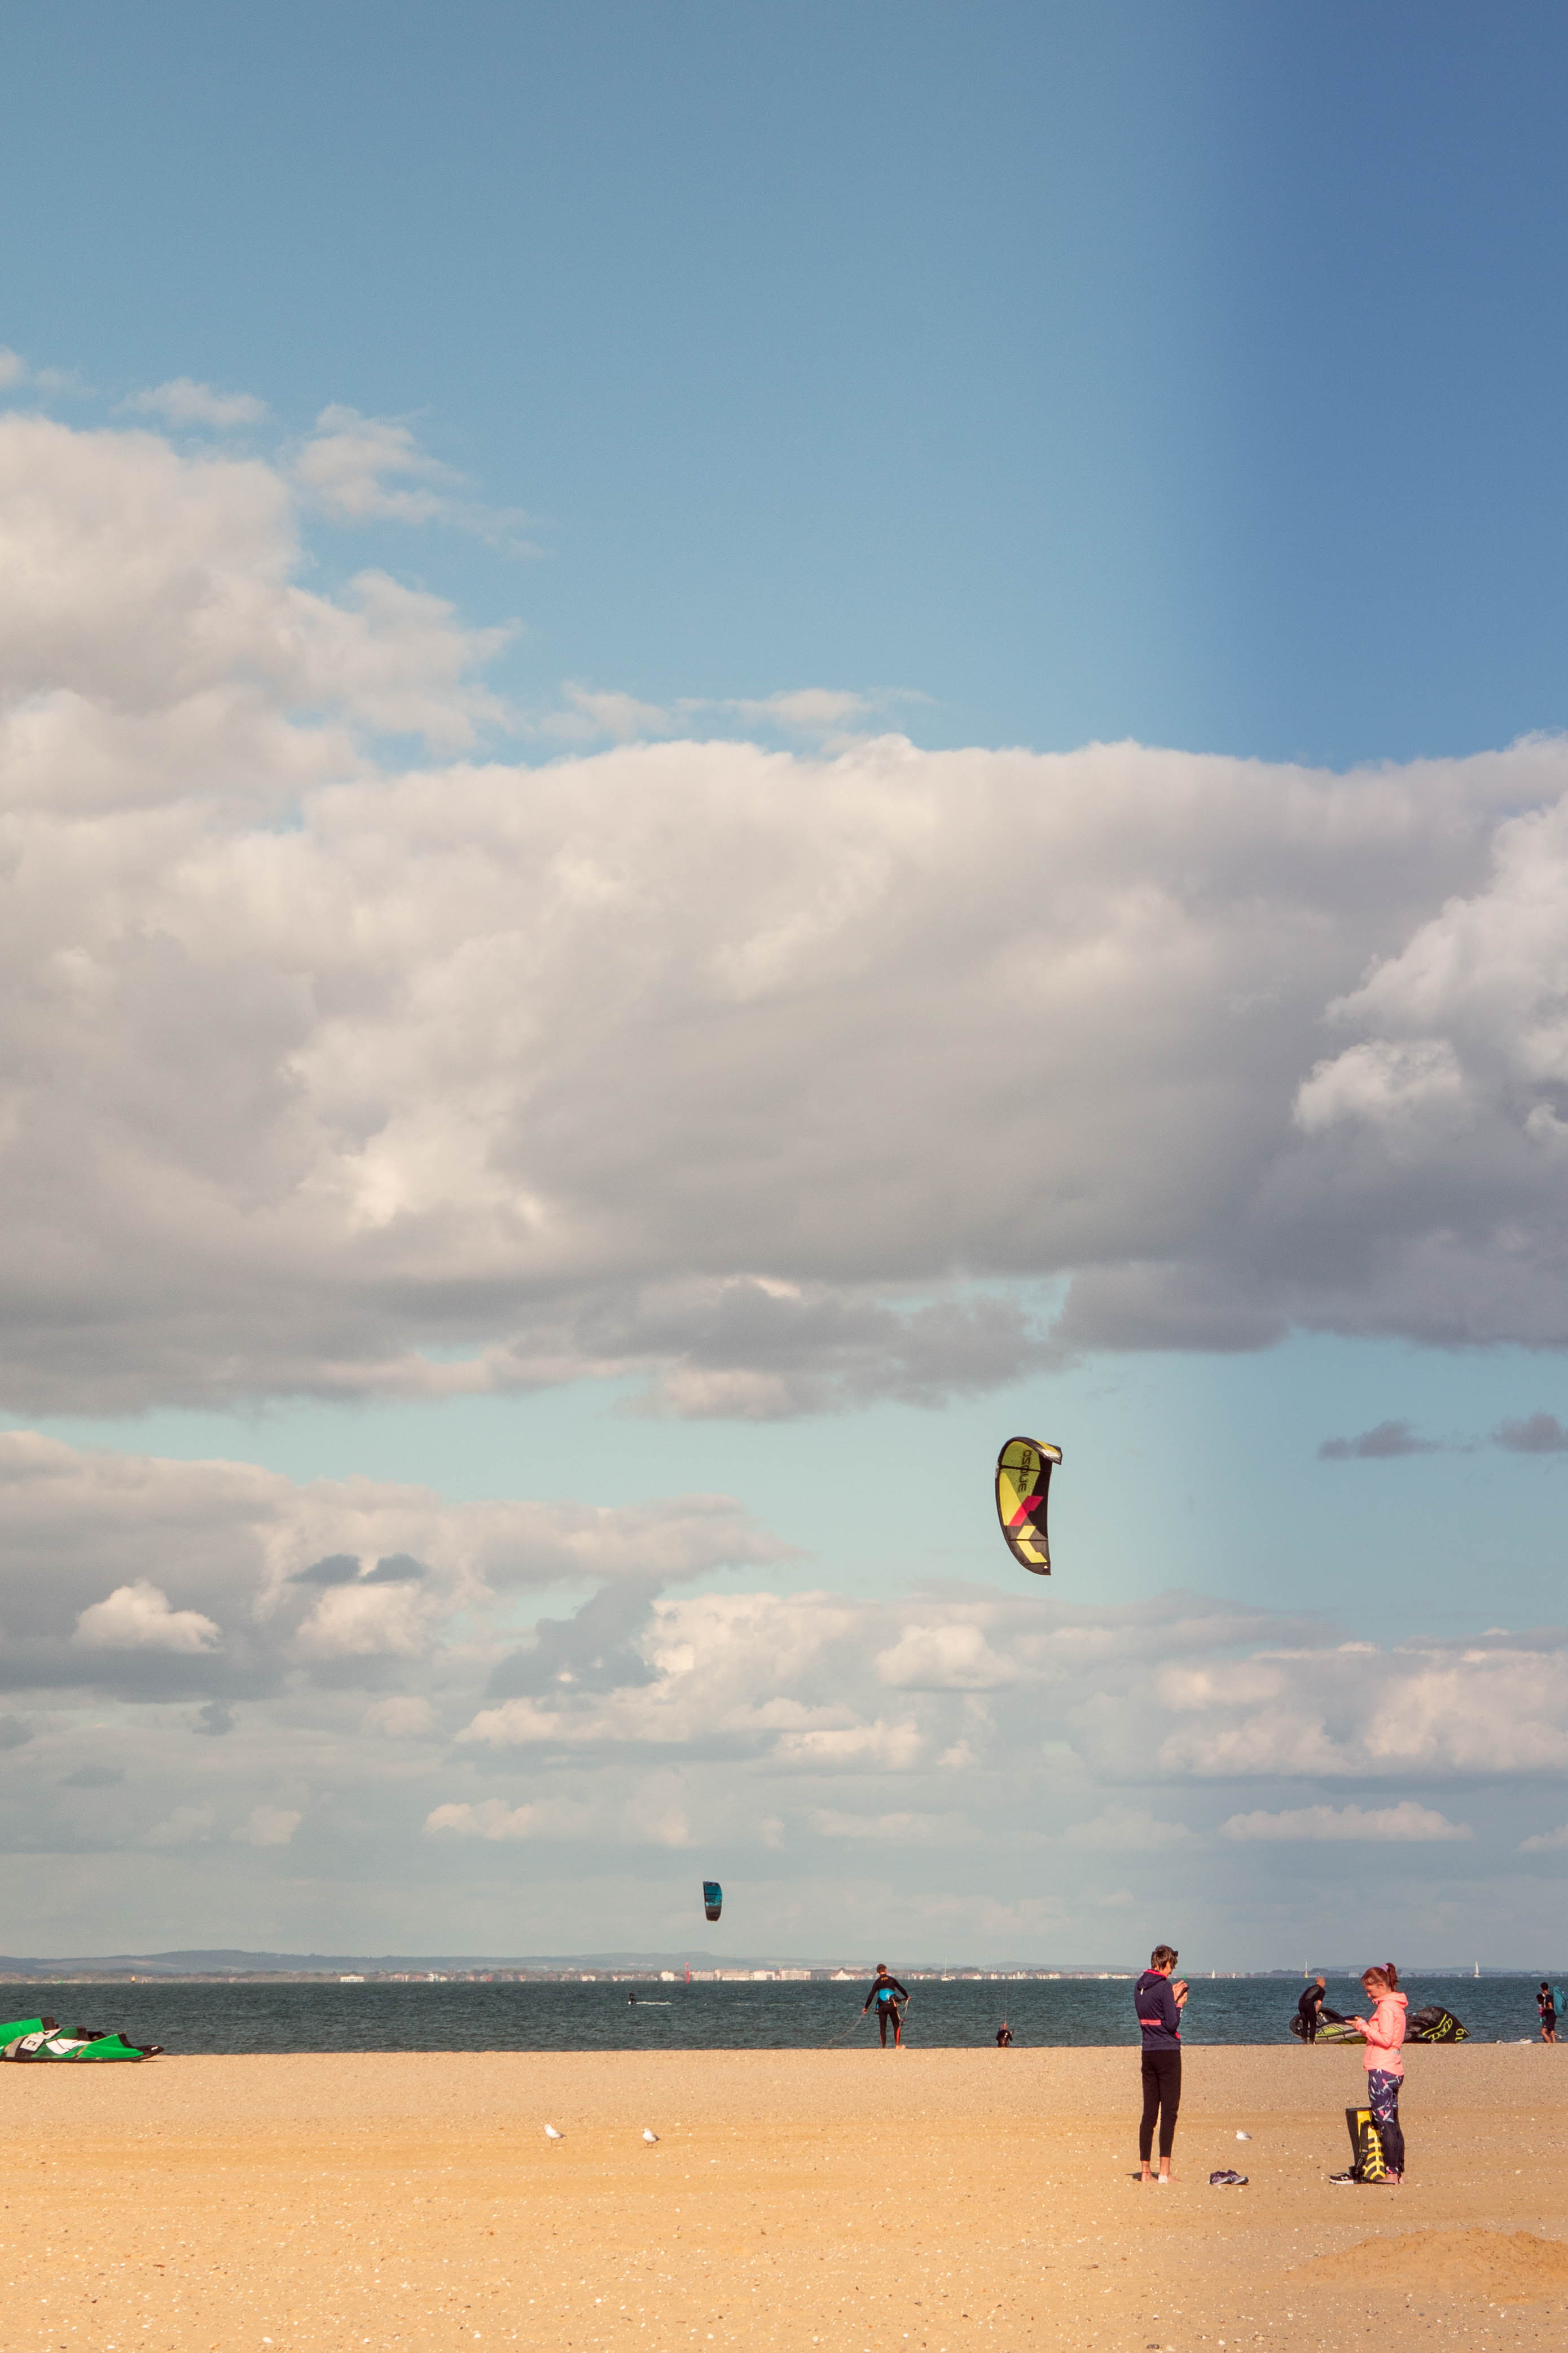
(1392, 1974)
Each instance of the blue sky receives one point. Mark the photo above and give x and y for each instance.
(1022, 378)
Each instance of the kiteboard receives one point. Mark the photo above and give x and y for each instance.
(1023, 1470)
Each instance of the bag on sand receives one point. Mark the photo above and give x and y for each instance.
(1367, 2163)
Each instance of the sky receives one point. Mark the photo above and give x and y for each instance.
(740, 747)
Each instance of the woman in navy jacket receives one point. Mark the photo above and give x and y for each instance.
(1158, 2005)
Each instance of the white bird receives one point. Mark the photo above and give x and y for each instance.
(550, 2133)
(649, 2138)
(1244, 2136)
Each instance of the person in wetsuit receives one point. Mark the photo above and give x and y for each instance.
(1158, 2005)
(1309, 2010)
(1004, 2037)
(887, 1993)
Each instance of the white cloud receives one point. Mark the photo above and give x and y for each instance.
(1545, 1841)
(669, 1061)
(1359, 1712)
(360, 1618)
(183, 401)
(12, 368)
(267, 1826)
(138, 1617)
(370, 469)
(1406, 1823)
(361, 1621)
(815, 713)
(948, 1657)
(366, 470)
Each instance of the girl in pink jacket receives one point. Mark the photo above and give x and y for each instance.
(1383, 2059)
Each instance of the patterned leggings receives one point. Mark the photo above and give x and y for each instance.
(1383, 2099)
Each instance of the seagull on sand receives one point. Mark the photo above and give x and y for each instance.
(550, 2133)
(649, 2137)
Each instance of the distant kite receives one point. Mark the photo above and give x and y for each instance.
(712, 1898)
(1023, 1481)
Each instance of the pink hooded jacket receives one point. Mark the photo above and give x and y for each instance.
(1385, 2032)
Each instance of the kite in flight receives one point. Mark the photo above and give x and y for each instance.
(712, 1898)
(1023, 1481)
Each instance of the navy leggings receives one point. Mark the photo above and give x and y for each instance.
(1161, 2097)
(1383, 2099)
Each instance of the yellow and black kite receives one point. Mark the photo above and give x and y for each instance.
(1023, 1481)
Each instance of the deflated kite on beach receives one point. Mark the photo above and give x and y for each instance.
(1023, 1470)
(43, 2038)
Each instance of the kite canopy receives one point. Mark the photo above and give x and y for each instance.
(1022, 1479)
(712, 1898)
(40, 2038)
(1434, 2024)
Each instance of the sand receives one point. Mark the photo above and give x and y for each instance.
(920, 2202)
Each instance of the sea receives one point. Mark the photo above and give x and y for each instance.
(944, 2014)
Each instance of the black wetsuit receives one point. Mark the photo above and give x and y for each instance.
(886, 1992)
(1160, 2024)
(1310, 2011)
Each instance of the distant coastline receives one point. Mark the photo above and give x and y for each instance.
(224, 1966)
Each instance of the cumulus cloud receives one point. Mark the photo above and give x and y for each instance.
(385, 1666)
(1545, 1841)
(138, 1617)
(1382, 1444)
(342, 1579)
(337, 1072)
(1405, 1822)
(183, 401)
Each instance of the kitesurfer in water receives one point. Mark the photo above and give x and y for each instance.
(1004, 2037)
(888, 1994)
(1158, 2005)
(1546, 2003)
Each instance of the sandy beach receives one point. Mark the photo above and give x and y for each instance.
(933, 2200)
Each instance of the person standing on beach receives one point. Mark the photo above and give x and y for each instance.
(887, 1993)
(1158, 2005)
(1546, 2003)
(1310, 2009)
(1383, 2059)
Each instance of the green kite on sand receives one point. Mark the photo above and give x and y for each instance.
(44, 2038)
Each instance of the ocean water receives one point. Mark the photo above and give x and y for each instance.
(200, 2017)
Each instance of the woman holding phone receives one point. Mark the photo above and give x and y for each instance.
(1158, 2005)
